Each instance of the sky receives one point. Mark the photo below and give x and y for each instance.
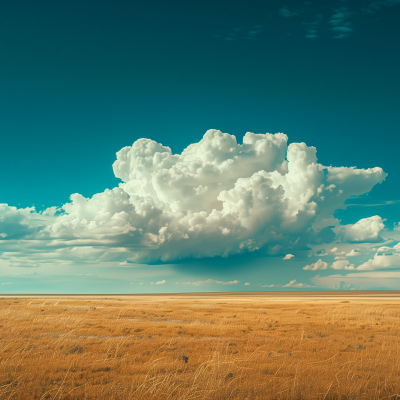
(199, 146)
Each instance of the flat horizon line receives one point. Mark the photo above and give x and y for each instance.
(282, 293)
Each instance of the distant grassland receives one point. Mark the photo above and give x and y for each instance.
(199, 347)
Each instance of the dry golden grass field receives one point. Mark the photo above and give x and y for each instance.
(208, 346)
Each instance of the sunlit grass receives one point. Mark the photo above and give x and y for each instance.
(199, 347)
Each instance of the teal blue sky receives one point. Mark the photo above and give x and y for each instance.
(79, 81)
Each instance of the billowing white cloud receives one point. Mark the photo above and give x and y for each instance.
(342, 264)
(194, 179)
(288, 257)
(318, 265)
(365, 230)
(389, 250)
(381, 262)
(353, 253)
(216, 198)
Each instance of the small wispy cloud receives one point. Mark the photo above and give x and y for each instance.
(311, 27)
(239, 33)
(247, 284)
(340, 22)
(288, 257)
(24, 264)
(6, 283)
(374, 204)
(284, 12)
(375, 6)
(161, 282)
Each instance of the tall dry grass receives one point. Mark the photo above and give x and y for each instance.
(209, 347)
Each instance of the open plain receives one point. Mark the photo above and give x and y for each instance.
(331, 345)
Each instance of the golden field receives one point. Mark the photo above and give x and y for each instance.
(206, 346)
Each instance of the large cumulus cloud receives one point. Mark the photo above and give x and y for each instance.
(365, 230)
(385, 258)
(216, 198)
